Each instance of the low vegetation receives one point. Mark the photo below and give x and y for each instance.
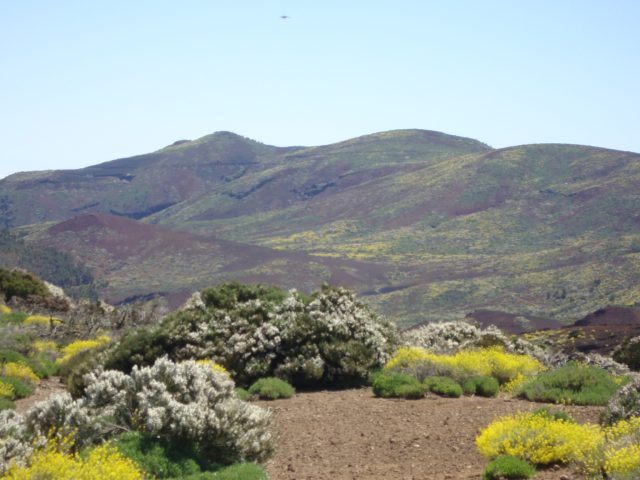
(573, 383)
(271, 388)
(507, 467)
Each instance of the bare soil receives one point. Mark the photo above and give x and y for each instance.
(352, 435)
(47, 388)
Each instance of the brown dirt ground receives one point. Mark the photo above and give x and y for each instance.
(352, 435)
(47, 388)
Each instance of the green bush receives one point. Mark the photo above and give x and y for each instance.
(160, 459)
(508, 467)
(242, 393)
(482, 386)
(226, 295)
(629, 353)
(21, 389)
(397, 385)
(16, 283)
(271, 388)
(554, 414)
(574, 383)
(444, 386)
(13, 318)
(6, 404)
(74, 370)
(42, 367)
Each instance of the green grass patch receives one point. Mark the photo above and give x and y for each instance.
(482, 386)
(271, 388)
(574, 384)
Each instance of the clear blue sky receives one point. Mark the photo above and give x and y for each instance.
(88, 81)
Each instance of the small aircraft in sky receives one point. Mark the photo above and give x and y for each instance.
(284, 17)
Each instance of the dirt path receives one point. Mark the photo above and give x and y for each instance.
(351, 435)
(47, 388)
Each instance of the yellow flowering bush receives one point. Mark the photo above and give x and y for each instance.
(104, 462)
(21, 371)
(216, 367)
(4, 309)
(543, 439)
(540, 439)
(6, 390)
(42, 320)
(45, 346)
(74, 348)
(493, 362)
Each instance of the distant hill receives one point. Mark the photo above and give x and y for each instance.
(54, 266)
(448, 224)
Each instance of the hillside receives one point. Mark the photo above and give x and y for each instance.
(448, 225)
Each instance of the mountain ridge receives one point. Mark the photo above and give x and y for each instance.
(449, 224)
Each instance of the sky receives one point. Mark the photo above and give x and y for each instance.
(86, 82)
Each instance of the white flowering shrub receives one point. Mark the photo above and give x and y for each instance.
(451, 337)
(183, 403)
(331, 338)
(624, 404)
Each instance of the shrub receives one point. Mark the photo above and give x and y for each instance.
(554, 414)
(227, 295)
(482, 386)
(271, 388)
(242, 393)
(42, 320)
(79, 346)
(157, 458)
(330, 339)
(445, 386)
(20, 371)
(493, 362)
(539, 439)
(508, 467)
(172, 402)
(16, 283)
(216, 367)
(6, 390)
(572, 384)
(40, 366)
(104, 462)
(624, 404)
(451, 337)
(629, 353)
(397, 385)
(6, 404)
(21, 389)
(622, 450)
(12, 318)
(4, 309)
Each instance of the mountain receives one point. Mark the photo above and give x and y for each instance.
(448, 224)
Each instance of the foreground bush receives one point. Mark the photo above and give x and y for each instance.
(330, 339)
(104, 462)
(508, 467)
(601, 453)
(624, 405)
(539, 439)
(574, 383)
(271, 388)
(397, 385)
(172, 402)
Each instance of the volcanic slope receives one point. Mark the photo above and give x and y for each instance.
(540, 230)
